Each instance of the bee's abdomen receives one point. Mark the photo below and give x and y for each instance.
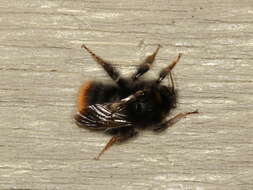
(92, 92)
(82, 96)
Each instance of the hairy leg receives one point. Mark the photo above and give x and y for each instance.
(145, 65)
(166, 124)
(164, 72)
(107, 66)
(122, 135)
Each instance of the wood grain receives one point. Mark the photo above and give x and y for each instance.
(42, 67)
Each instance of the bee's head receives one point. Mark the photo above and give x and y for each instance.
(152, 103)
(168, 97)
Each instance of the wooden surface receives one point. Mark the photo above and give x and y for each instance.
(42, 67)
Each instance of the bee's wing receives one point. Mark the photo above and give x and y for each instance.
(102, 116)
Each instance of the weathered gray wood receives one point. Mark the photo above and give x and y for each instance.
(42, 67)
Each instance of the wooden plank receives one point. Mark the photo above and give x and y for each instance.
(42, 67)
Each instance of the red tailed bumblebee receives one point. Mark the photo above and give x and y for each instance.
(127, 104)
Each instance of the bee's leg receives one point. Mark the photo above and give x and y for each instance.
(107, 66)
(123, 134)
(167, 70)
(108, 145)
(122, 104)
(166, 124)
(145, 65)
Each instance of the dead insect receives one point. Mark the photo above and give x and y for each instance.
(127, 104)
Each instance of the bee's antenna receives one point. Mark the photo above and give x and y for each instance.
(172, 82)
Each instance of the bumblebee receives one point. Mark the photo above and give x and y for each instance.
(129, 103)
